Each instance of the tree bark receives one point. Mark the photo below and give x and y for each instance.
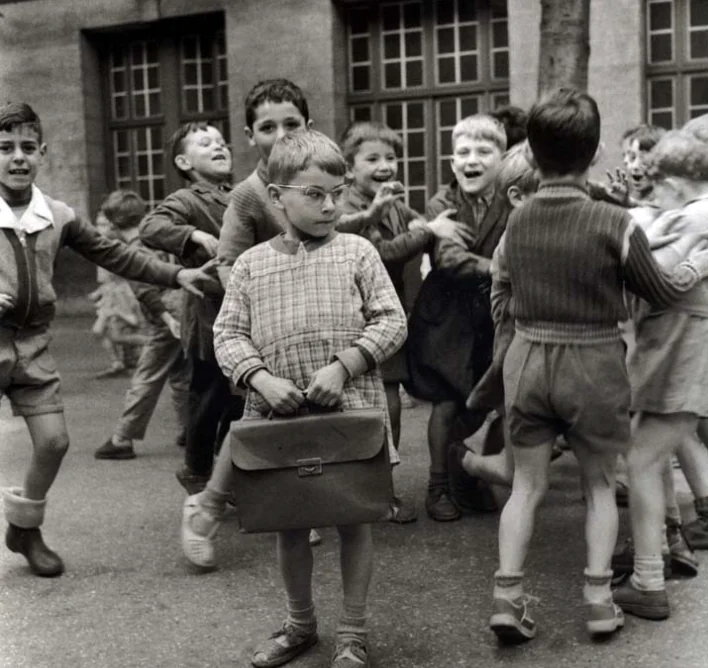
(565, 44)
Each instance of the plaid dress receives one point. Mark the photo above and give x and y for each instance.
(292, 308)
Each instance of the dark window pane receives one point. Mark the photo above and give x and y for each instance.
(470, 105)
(138, 80)
(159, 187)
(118, 58)
(141, 140)
(501, 65)
(414, 44)
(139, 106)
(445, 11)
(223, 75)
(699, 13)
(121, 141)
(142, 165)
(699, 91)
(500, 34)
(392, 75)
(416, 173)
(467, 10)
(156, 138)
(695, 113)
(416, 145)
(416, 200)
(361, 114)
(500, 101)
(446, 40)
(446, 70)
(445, 172)
(152, 55)
(660, 49)
(468, 38)
(155, 106)
(137, 53)
(120, 110)
(358, 21)
(223, 97)
(414, 73)
(208, 99)
(153, 77)
(360, 49)
(660, 16)
(189, 47)
(191, 100)
(119, 81)
(157, 163)
(144, 190)
(207, 74)
(360, 78)
(448, 113)
(663, 119)
(124, 166)
(391, 20)
(446, 142)
(411, 15)
(392, 46)
(699, 44)
(468, 68)
(190, 74)
(662, 95)
(416, 115)
(394, 116)
(499, 9)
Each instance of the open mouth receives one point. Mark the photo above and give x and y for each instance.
(381, 178)
(19, 172)
(472, 173)
(219, 158)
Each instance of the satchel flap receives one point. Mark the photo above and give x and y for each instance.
(306, 440)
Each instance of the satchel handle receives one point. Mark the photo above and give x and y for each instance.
(313, 408)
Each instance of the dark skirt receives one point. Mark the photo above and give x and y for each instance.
(450, 338)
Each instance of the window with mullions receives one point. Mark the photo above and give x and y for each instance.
(420, 66)
(156, 81)
(676, 61)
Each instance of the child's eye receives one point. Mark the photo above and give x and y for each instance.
(266, 129)
(293, 125)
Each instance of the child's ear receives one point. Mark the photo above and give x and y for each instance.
(182, 163)
(516, 197)
(249, 135)
(309, 125)
(274, 195)
(598, 153)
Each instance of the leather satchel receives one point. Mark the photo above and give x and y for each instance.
(313, 470)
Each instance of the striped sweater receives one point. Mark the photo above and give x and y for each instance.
(568, 259)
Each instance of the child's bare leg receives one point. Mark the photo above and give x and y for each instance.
(356, 560)
(517, 519)
(299, 632)
(693, 457)
(393, 401)
(50, 441)
(438, 503)
(24, 507)
(672, 508)
(496, 469)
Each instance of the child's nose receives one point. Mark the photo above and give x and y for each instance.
(18, 155)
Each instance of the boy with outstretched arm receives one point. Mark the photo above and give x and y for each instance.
(33, 228)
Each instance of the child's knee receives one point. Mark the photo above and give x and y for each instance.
(52, 445)
(354, 532)
(293, 538)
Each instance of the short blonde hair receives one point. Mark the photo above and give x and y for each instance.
(698, 127)
(481, 126)
(679, 153)
(362, 131)
(296, 152)
(516, 170)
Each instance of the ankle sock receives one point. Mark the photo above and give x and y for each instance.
(508, 586)
(302, 615)
(211, 509)
(648, 573)
(438, 481)
(597, 587)
(352, 623)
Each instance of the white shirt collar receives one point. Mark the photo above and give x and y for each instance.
(36, 217)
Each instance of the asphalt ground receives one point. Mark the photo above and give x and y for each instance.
(129, 599)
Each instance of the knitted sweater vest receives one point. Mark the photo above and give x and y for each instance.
(564, 254)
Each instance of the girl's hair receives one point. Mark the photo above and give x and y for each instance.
(296, 152)
(698, 127)
(123, 209)
(481, 126)
(515, 170)
(361, 131)
(679, 153)
(646, 135)
(16, 114)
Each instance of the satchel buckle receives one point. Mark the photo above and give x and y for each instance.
(307, 467)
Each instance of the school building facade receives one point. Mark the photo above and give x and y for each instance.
(112, 79)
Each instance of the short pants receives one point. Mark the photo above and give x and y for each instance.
(28, 372)
(580, 391)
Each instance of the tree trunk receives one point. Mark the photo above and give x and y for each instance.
(565, 44)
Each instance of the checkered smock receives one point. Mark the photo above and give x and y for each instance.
(294, 308)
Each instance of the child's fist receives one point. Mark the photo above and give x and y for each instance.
(326, 385)
(282, 395)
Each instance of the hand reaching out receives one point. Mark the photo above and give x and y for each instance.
(190, 279)
(6, 303)
(387, 194)
(207, 241)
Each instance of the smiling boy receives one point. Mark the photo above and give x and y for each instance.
(33, 228)
(451, 330)
(187, 224)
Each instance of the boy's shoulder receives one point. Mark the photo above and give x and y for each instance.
(250, 189)
(61, 212)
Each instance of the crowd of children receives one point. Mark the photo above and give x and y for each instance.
(536, 275)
